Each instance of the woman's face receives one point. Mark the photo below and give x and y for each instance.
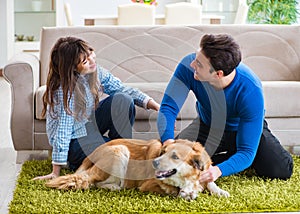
(87, 64)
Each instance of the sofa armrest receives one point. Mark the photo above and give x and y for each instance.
(22, 73)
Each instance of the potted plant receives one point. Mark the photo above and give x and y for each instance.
(150, 2)
(273, 11)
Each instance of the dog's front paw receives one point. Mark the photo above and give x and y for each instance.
(222, 193)
(112, 187)
(215, 190)
(188, 195)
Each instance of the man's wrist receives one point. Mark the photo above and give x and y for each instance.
(218, 172)
(168, 141)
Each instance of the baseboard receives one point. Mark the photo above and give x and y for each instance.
(25, 155)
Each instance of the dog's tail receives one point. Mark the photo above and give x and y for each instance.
(68, 182)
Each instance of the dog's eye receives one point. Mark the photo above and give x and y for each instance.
(174, 156)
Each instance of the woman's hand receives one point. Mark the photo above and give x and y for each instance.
(46, 177)
(54, 174)
(152, 104)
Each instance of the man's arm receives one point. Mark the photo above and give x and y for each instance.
(174, 97)
(248, 134)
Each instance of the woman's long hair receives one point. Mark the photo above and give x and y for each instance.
(65, 56)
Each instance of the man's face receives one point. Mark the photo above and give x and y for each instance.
(202, 67)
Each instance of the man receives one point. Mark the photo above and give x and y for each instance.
(230, 106)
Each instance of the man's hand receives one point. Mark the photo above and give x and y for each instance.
(210, 175)
(152, 104)
(169, 141)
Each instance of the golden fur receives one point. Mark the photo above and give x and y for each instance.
(174, 169)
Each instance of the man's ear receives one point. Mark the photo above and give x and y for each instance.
(220, 73)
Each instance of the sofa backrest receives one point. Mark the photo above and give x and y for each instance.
(150, 53)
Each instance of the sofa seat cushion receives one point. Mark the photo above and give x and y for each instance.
(278, 102)
(281, 98)
(154, 90)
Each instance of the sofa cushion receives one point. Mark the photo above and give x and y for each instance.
(39, 102)
(281, 98)
(154, 90)
(277, 95)
(135, 53)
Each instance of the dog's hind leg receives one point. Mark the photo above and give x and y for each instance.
(72, 181)
(107, 172)
(86, 164)
(114, 163)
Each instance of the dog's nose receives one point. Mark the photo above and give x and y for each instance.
(155, 163)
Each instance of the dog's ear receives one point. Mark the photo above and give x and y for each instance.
(201, 160)
(198, 147)
(206, 160)
(162, 150)
(165, 146)
(197, 162)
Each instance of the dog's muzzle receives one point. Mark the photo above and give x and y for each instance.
(162, 174)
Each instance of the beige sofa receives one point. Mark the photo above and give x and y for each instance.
(145, 57)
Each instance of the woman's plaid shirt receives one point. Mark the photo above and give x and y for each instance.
(63, 127)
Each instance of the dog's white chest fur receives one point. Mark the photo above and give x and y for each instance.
(189, 186)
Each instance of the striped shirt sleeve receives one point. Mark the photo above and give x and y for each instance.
(112, 85)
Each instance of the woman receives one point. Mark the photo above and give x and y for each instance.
(75, 119)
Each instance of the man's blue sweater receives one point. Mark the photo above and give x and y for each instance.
(238, 107)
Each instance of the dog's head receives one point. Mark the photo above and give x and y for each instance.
(181, 160)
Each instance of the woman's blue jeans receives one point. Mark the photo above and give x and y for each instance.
(113, 119)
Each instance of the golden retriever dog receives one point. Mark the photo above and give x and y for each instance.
(173, 169)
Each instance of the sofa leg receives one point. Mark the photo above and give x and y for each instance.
(296, 150)
(49, 154)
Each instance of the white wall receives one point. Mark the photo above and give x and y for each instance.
(80, 8)
(6, 32)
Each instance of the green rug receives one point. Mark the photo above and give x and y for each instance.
(248, 194)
